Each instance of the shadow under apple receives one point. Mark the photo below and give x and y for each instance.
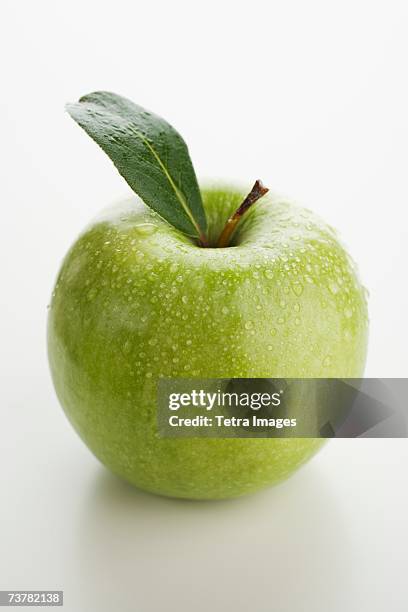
(283, 549)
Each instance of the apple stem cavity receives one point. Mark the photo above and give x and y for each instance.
(257, 191)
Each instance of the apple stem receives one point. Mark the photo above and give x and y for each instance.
(202, 240)
(257, 191)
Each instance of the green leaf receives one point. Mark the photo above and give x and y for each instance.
(150, 155)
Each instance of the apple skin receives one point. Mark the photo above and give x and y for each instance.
(136, 300)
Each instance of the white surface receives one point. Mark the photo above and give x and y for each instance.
(309, 96)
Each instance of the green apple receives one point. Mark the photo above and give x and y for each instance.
(136, 300)
(187, 283)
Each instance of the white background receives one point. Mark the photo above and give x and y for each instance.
(311, 97)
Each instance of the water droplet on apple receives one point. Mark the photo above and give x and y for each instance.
(127, 347)
(348, 312)
(146, 229)
(327, 360)
(333, 288)
(268, 274)
(224, 310)
(248, 325)
(91, 294)
(297, 289)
